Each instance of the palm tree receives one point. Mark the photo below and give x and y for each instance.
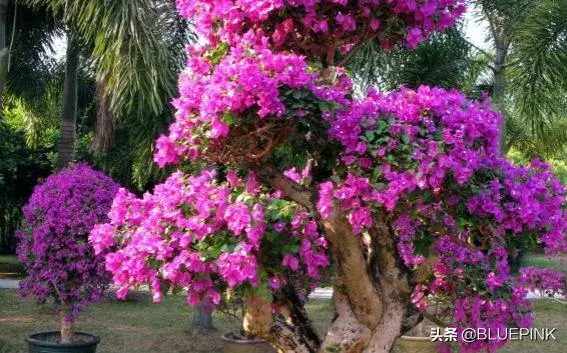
(446, 60)
(138, 88)
(529, 71)
(525, 73)
(537, 74)
(3, 50)
(67, 130)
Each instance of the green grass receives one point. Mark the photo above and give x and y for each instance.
(136, 326)
(547, 314)
(9, 260)
(10, 267)
(541, 260)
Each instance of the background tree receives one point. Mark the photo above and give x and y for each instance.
(132, 30)
(20, 170)
(524, 73)
(447, 60)
(4, 52)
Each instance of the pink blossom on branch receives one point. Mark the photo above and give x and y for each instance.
(425, 163)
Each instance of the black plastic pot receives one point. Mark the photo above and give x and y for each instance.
(232, 344)
(46, 342)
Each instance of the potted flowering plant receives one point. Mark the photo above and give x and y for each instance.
(425, 337)
(237, 340)
(60, 263)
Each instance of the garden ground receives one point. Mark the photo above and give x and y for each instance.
(10, 268)
(134, 326)
(138, 326)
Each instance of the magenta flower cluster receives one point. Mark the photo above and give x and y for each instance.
(544, 279)
(428, 158)
(207, 237)
(343, 22)
(245, 63)
(431, 158)
(53, 241)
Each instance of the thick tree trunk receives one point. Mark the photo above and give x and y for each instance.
(371, 292)
(66, 147)
(203, 318)
(67, 325)
(4, 53)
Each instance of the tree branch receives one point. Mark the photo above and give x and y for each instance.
(435, 319)
(258, 320)
(277, 180)
(349, 253)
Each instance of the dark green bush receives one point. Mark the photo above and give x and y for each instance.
(20, 170)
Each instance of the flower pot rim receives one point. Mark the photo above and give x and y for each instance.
(30, 339)
(416, 338)
(243, 342)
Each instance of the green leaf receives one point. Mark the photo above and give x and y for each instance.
(228, 118)
(291, 248)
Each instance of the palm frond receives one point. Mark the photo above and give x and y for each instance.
(133, 52)
(31, 68)
(538, 67)
(446, 59)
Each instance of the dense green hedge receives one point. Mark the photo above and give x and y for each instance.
(20, 169)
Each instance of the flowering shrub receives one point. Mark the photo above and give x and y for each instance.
(406, 191)
(208, 237)
(53, 244)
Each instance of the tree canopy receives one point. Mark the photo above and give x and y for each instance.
(406, 192)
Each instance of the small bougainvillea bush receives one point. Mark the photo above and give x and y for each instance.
(405, 192)
(53, 241)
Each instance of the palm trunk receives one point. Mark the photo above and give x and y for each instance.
(3, 54)
(66, 147)
(498, 89)
(67, 325)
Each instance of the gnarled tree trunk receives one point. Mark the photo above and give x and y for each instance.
(371, 292)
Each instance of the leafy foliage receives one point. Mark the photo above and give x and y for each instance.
(20, 169)
(445, 60)
(538, 76)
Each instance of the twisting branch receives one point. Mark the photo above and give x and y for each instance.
(298, 317)
(295, 192)
(349, 253)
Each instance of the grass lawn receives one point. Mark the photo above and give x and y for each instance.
(541, 260)
(547, 314)
(138, 326)
(135, 326)
(10, 268)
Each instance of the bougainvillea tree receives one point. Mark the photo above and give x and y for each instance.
(53, 242)
(404, 192)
